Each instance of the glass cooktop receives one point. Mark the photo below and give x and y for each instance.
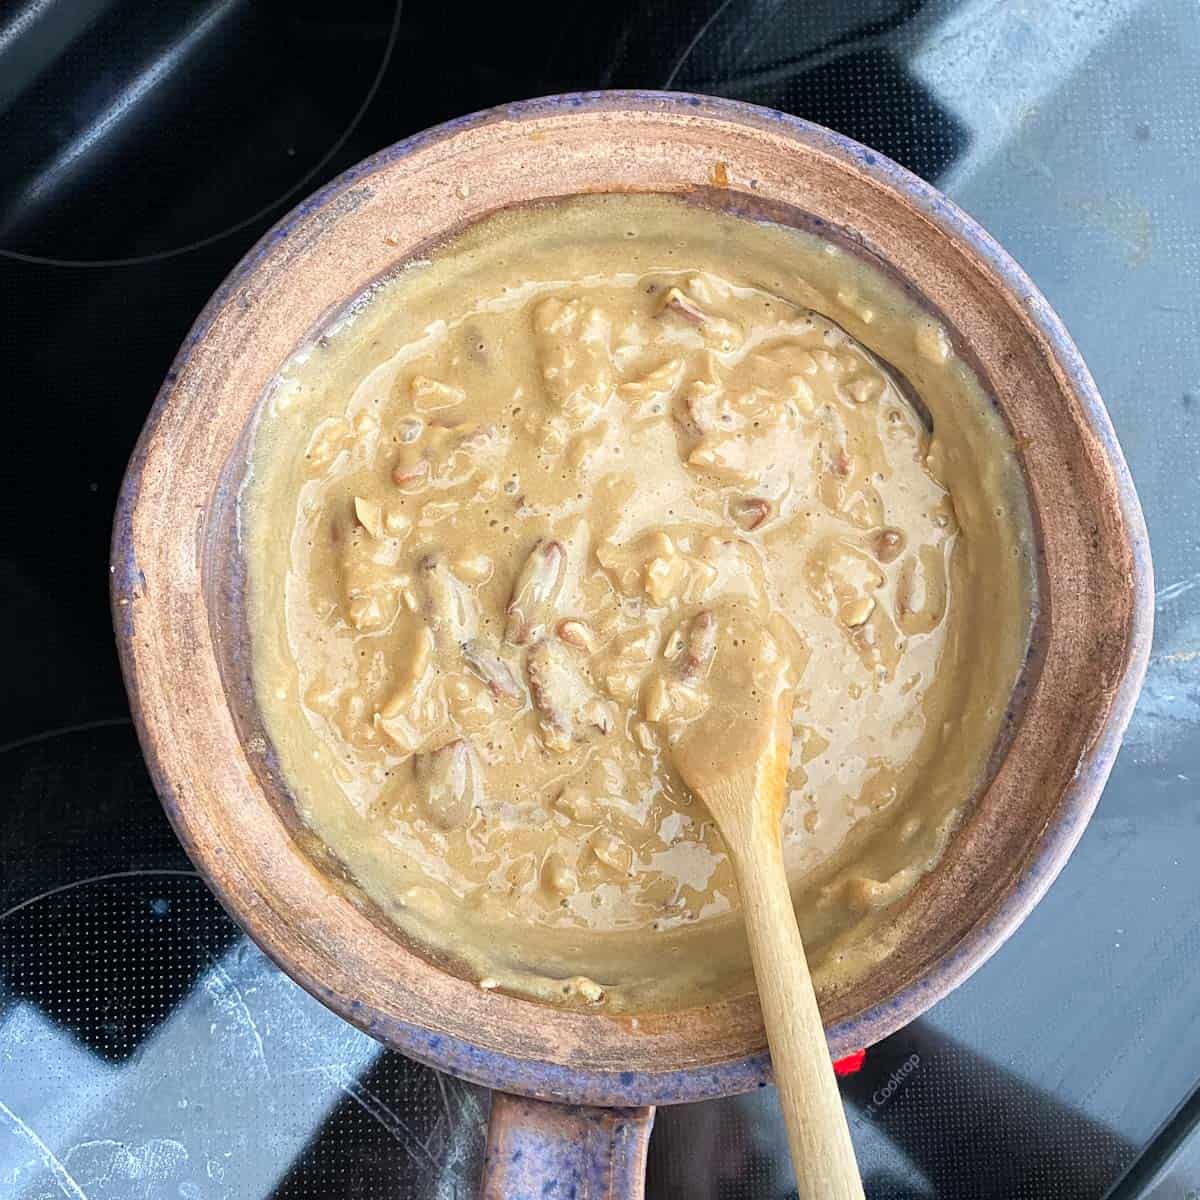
(147, 1050)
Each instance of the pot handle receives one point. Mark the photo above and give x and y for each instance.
(556, 1151)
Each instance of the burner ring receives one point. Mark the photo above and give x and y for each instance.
(101, 199)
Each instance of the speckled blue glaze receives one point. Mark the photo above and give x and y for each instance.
(564, 1151)
(552, 1081)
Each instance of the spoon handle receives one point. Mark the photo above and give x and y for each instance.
(818, 1135)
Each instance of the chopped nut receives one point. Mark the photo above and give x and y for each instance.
(701, 647)
(663, 577)
(401, 731)
(366, 612)
(675, 301)
(447, 434)
(396, 523)
(410, 468)
(707, 406)
(429, 395)
(434, 511)
(863, 389)
(660, 543)
(520, 873)
(584, 445)
(573, 349)
(656, 702)
(857, 611)
(449, 606)
(800, 392)
(599, 715)
(472, 709)
(864, 636)
(327, 442)
(366, 425)
(729, 457)
(470, 436)
(635, 646)
(366, 569)
(412, 672)
(576, 633)
(535, 592)
(370, 516)
(578, 805)
(557, 877)
(477, 568)
(611, 851)
(750, 512)
(643, 734)
(719, 333)
(621, 685)
(589, 989)
(650, 395)
(674, 644)
(708, 288)
(563, 696)
(449, 779)
(485, 663)
(701, 576)
(886, 544)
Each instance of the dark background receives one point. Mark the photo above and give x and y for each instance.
(146, 1049)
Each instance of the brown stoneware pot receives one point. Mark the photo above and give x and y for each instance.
(177, 580)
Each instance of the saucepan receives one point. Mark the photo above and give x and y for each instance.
(574, 1090)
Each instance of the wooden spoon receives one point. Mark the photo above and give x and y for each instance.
(735, 758)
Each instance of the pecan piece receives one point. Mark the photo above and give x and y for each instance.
(650, 395)
(564, 698)
(431, 395)
(485, 663)
(750, 512)
(558, 878)
(717, 331)
(535, 591)
(700, 647)
(683, 306)
(411, 466)
(886, 544)
(449, 781)
(857, 612)
(448, 604)
(576, 633)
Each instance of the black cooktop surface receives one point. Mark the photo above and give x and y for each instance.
(147, 1050)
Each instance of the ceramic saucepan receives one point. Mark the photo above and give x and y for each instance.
(574, 1089)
